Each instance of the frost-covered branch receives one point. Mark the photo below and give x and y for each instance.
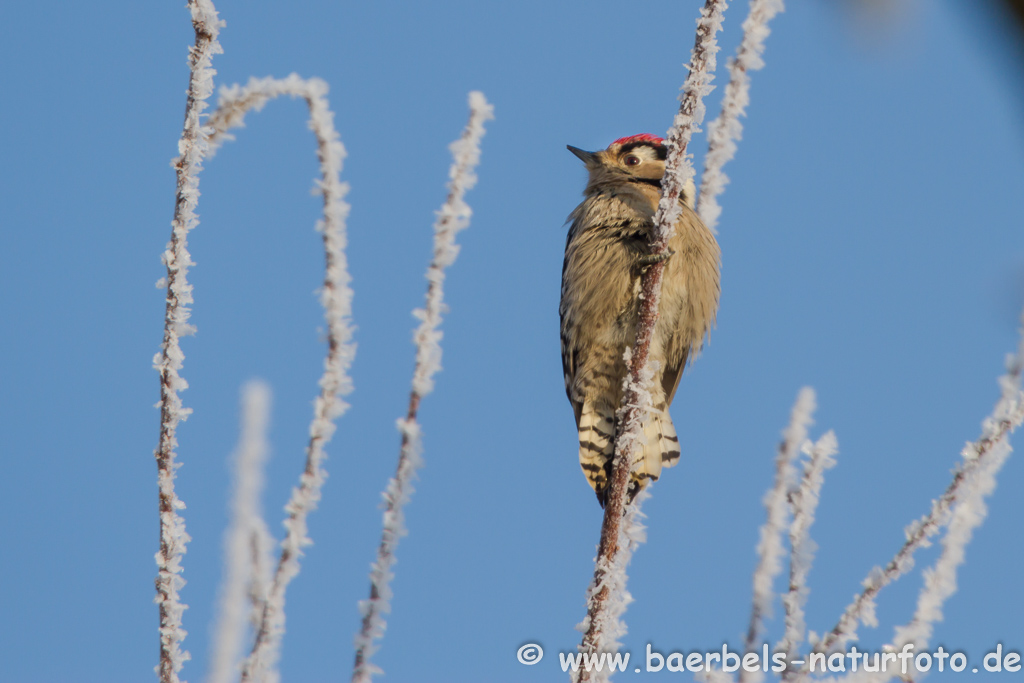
(801, 554)
(607, 589)
(961, 504)
(260, 547)
(244, 549)
(610, 591)
(236, 101)
(453, 217)
(967, 514)
(770, 548)
(336, 298)
(191, 149)
(726, 129)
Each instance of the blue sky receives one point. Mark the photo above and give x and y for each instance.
(871, 246)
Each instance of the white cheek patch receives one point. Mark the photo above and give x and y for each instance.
(646, 153)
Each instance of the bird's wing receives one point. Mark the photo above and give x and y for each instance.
(670, 378)
(569, 354)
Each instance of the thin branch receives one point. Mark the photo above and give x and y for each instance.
(610, 592)
(940, 580)
(236, 101)
(968, 513)
(776, 502)
(260, 550)
(336, 298)
(802, 548)
(191, 149)
(243, 564)
(453, 217)
(981, 460)
(727, 129)
(616, 533)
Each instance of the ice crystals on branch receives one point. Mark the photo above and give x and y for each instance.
(770, 549)
(191, 149)
(607, 596)
(804, 502)
(336, 298)
(453, 216)
(726, 129)
(245, 540)
(973, 480)
(961, 509)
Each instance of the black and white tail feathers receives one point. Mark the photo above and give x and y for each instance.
(597, 444)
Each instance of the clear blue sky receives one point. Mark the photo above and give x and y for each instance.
(872, 247)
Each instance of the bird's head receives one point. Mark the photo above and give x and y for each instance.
(636, 160)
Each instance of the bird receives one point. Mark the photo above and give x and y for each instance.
(607, 250)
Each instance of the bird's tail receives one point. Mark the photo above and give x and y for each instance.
(597, 445)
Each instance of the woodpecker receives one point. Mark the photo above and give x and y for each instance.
(606, 252)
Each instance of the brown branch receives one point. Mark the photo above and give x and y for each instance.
(917, 537)
(1006, 417)
(453, 217)
(336, 299)
(636, 400)
(192, 147)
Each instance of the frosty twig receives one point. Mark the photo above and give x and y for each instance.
(453, 217)
(804, 503)
(336, 298)
(776, 502)
(967, 514)
(726, 129)
(608, 585)
(960, 503)
(191, 149)
(243, 542)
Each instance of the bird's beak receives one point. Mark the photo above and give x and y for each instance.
(585, 157)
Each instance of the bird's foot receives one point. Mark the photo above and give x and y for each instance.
(650, 259)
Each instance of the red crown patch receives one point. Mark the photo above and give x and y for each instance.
(642, 137)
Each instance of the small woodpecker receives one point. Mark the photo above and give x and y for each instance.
(606, 253)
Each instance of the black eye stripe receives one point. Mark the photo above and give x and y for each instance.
(660, 151)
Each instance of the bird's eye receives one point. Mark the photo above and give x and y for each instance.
(631, 160)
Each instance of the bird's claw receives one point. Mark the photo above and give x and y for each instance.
(650, 259)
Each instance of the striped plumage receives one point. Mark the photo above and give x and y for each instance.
(605, 256)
